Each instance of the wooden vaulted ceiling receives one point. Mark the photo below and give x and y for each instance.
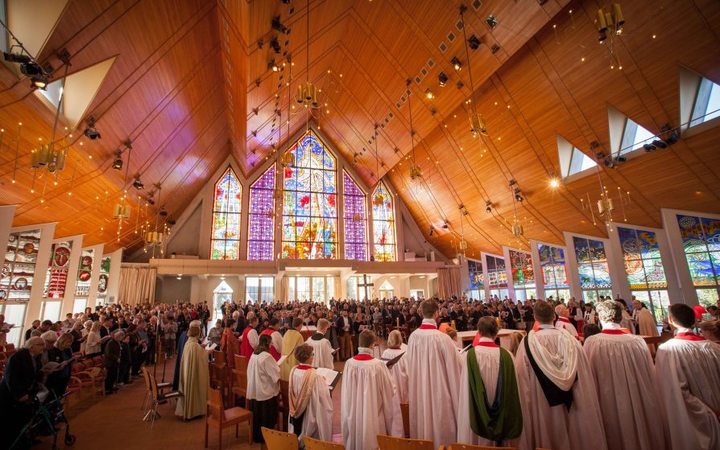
(191, 84)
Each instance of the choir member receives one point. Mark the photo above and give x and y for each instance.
(396, 347)
(687, 371)
(250, 337)
(563, 321)
(557, 390)
(310, 404)
(263, 387)
(433, 370)
(624, 375)
(644, 320)
(322, 348)
(369, 401)
(489, 410)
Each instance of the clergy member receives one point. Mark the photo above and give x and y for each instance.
(229, 345)
(271, 331)
(563, 320)
(644, 319)
(194, 377)
(250, 337)
(322, 348)
(369, 402)
(433, 368)
(624, 375)
(687, 372)
(310, 404)
(292, 340)
(557, 390)
(263, 387)
(489, 406)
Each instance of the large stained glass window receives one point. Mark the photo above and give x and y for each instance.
(18, 270)
(309, 201)
(701, 242)
(476, 284)
(592, 268)
(383, 224)
(355, 217)
(523, 274)
(644, 269)
(496, 276)
(261, 217)
(225, 240)
(554, 274)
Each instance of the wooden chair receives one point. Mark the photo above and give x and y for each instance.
(473, 447)
(239, 386)
(284, 405)
(314, 444)
(219, 357)
(394, 443)
(157, 398)
(148, 387)
(219, 417)
(405, 412)
(653, 342)
(279, 440)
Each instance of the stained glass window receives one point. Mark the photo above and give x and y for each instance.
(58, 268)
(701, 242)
(476, 277)
(355, 216)
(644, 269)
(261, 217)
(309, 201)
(554, 275)
(84, 274)
(592, 268)
(496, 276)
(18, 271)
(523, 274)
(225, 240)
(383, 224)
(104, 279)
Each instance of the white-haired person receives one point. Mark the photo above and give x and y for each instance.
(563, 320)
(395, 348)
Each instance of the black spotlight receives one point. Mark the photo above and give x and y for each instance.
(446, 225)
(474, 42)
(491, 21)
(488, 206)
(39, 82)
(171, 221)
(278, 26)
(118, 162)
(163, 212)
(442, 79)
(275, 45)
(17, 58)
(650, 147)
(137, 184)
(658, 143)
(90, 131)
(620, 159)
(609, 162)
(456, 63)
(31, 69)
(670, 135)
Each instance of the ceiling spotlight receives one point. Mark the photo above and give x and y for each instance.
(518, 195)
(620, 159)
(491, 21)
(275, 45)
(171, 221)
(659, 144)
(90, 131)
(31, 69)
(273, 66)
(17, 57)
(651, 147)
(432, 231)
(118, 162)
(456, 63)
(442, 79)
(446, 224)
(670, 135)
(474, 42)
(39, 82)
(477, 125)
(278, 26)
(488, 206)
(554, 182)
(137, 184)
(163, 212)
(429, 94)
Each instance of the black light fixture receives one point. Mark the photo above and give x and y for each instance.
(31, 69)
(118, 161)
(456, 63)
(278, 26)
(651, 146)
(274, 67)
(432, 231)
(491, 21)
(163, 212)
(17, 57)
(39, 82)
(659, 144)
(137, 183)
(446, 224)
(488, 206)
(442, 79)
(275, 45)
(670, 134)
(90, 131)
(474, 42)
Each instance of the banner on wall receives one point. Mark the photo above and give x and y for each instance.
(58, 270)
(82, 285)
(18, 269)
(104, 277)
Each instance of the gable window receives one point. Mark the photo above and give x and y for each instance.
(225, 239)
(572, 160)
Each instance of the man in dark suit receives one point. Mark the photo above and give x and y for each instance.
(344, 327)
(111, 360)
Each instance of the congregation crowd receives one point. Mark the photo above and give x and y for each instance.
(582, 377)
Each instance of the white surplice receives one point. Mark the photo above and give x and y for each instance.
(433, 371)
(263, 375)
(398, 370)
(565, 324)
(558, 427)
(625, 376)
(369, 403)
(488, 360)
(317, 421)
(688, 382)
(323, 352)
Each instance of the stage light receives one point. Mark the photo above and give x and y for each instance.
(39, 82)
(137, 184)
(429, 94)
(650, 147)
(17, 57)
(278, 26)
(118, 162)
(31, 69)
(275, 45)
(456, 63)
(474, 42)
(90, 131)
(491, 21)
(274, 67)
(659, 144)
(442, 79)
(488, 207)
(554, 182)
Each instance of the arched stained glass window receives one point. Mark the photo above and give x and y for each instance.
(309, 201)
(225, 239)
(383, 224)
(261, 218)
(355, 216)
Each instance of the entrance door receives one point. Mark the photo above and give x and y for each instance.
(386, 290)
(221, 294)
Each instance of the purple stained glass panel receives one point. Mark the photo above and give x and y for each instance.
(261, 220)
(355, 216)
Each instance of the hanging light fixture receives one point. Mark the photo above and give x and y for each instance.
(517, 226)
(415, 172)
(606, 205)
(477, 121)
(610, 27)
(307, 93)
(462, 246)
(155, 238)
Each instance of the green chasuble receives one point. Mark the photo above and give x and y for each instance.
(503, 419)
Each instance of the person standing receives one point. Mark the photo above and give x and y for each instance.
(263, 388)
(111, 360)
(644, 320)
(249, 337)
(345, 326)
(321, 345)
(292, 340)
(563, 320)
(624, 375)
(433, 370)
(687, 375)
(310, 404)
(557, 389)
(194, 375)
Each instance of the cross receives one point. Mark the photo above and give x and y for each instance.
(365, 285)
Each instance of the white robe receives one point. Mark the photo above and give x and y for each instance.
(624, 376)
(194, 381)
(433, 368)
(317, 421)
(557, 427)
(398, 370)
(369, 404)
(488, 359)
(276, 341)
(568, 326)
(688, 382)
(323, 352)
(263, 375)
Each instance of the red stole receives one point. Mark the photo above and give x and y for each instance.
(427, 326)
(688, 336)
(273, 351)
(363, 357)
(303, 367)
(563, 319)
(246, 349)
(616, 331)
(476, 339)
(487, 344)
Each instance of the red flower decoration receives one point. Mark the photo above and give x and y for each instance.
(304, 201)
(331, 200)
(288, 172)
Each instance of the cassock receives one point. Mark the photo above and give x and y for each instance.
(180, 349)
(249, 341)
(291, 341)
(311, 403)
(323, 351)
(273, 349)
(646, 323)
(398, 371)
(369, 402)
(433, 370)
(508, 415)
(565, 324)
(567, 378)
(687, 377)
(193, 380)
(624, 375)
(229, 345)
(263, 375)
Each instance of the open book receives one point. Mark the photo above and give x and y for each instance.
(210, 346)
(330, 376)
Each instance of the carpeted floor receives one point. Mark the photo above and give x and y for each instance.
(115, 422)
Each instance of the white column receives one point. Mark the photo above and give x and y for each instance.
(537, 270)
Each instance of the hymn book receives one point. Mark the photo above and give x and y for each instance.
(330, 376)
